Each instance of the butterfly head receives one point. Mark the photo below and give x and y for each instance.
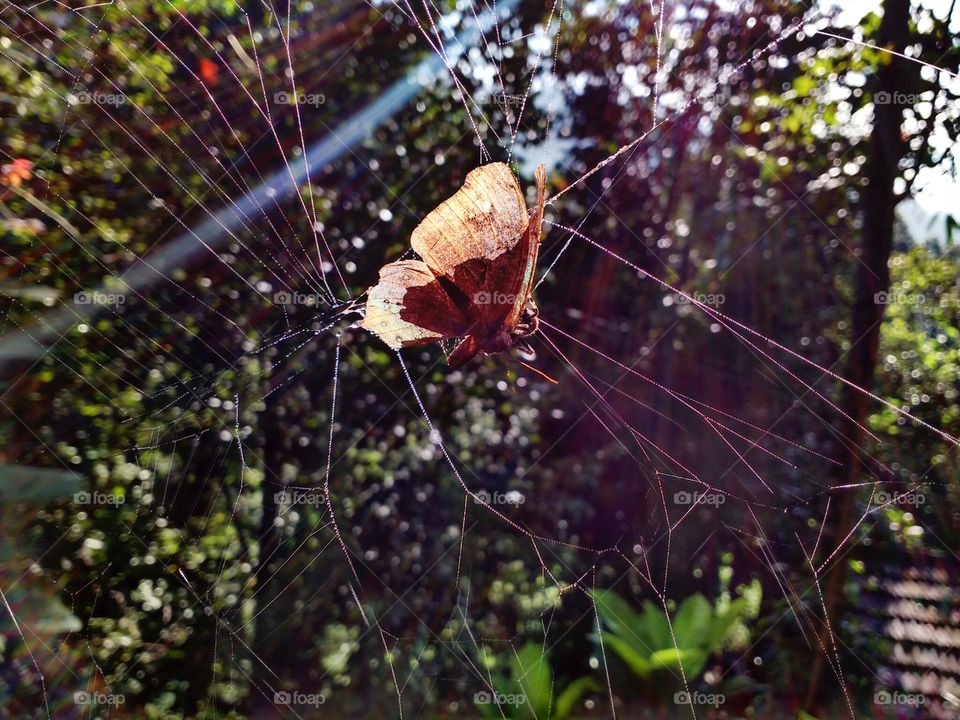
(529, 321)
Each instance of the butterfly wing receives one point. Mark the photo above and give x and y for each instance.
(483, 219)
(479, 251)
(531, 245)
(408, 306)
(478, 240)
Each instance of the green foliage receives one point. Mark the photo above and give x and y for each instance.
(919, 371)
(529, 689)
(32, 612)
(920, 341)
(648, 642)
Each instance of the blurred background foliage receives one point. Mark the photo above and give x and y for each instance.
(168, 559)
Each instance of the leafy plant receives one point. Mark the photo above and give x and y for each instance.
(644, 641)
(34, 617)
(528, 691)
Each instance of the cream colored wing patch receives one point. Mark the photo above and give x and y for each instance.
(408, 306)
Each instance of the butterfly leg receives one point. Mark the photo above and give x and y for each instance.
(525, 348)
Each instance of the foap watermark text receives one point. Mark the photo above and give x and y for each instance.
(97, 498)
(299, 497)
(699, 698)
(289, 98)
(82, 697)
(685, 497)
(486, 697)
(97, 297)
(294, 698)
(510, 497)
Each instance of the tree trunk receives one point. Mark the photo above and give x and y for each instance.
(895, 78)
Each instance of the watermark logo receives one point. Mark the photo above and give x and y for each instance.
(699, 698)
(96, 498)
(85, 97)
(494, 298)
(885, 697)
(898, 298)
(95, 297)
(497, 698)
(98, 698)
(699, 298)
(286, 698)
(895, 98)
(295, 298)
(300, 497)
(511, 497)
(891, 498)
(685, 497)
(289, 98)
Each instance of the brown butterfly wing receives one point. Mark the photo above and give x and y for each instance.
(485, 290)
(479, 239)
(483, 219)
(409, 306)
(479, 250)
(499, 288)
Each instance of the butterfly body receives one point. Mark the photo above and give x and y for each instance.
(475, 280)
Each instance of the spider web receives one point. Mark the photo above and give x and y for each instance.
(228, 162)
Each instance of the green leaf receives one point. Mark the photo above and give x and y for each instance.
(745, 607)
(723, 622)
(531, 669)
(656, 626)
(693, 660)
(692, 622)
(631, 627)
(614, 611)
(571, 695)
(638, 663)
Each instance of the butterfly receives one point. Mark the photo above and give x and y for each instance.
(475, 279)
